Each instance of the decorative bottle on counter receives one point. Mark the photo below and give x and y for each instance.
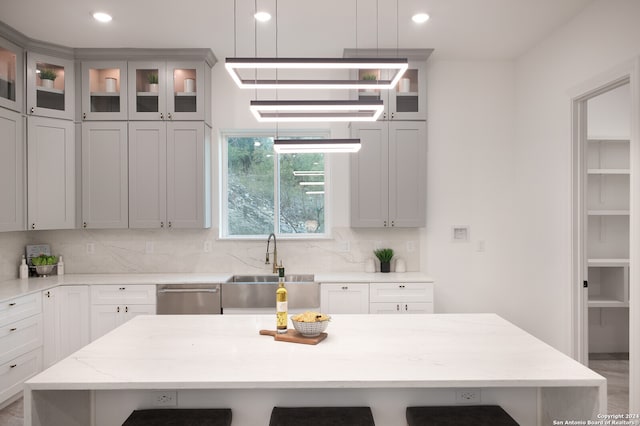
(281, 304)
(60, 267)
(24, 269)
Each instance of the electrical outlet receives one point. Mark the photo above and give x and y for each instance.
(468, 396)
(165, 398)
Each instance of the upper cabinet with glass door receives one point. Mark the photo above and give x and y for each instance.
(408, 99)
(11, 76)
(167, 90)
(50, 86)
(104, 90)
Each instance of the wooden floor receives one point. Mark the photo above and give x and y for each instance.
(616, 372)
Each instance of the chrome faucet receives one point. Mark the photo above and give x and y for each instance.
(275, 254)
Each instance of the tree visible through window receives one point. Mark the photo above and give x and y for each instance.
(268, 192)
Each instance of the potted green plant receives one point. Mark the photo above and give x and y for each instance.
(384, 255)
(369, 77)
(153, 82)
(47, 76)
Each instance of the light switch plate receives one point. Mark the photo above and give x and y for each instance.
(460, 233)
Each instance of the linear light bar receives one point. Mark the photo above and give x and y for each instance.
(308, 172)
(397, 65)
(287, 111)
(290, 146)
(314, 192)
(309, 183)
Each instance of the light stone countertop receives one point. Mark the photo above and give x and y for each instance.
(361, 351)
(19, 287)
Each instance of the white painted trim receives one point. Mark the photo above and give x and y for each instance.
(628, 71)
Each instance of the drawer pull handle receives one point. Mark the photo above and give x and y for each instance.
(13, 365)
(13, 329)
(122, 288)
(12, 304)
(397, 307)
(406, 307)
(118, 310)
(345, 288)
(126, 309)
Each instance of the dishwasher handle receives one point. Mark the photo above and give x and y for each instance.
(189, 290)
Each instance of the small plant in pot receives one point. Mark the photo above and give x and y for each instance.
(47, 76)
(384, 255)
(153, 82)
(369, 77)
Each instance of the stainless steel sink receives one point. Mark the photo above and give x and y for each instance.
(259, 291)
(259, 279)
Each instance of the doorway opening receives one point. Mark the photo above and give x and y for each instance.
(605, 232)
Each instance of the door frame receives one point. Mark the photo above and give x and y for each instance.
(628, 72)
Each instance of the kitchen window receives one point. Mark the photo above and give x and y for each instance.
(264, 192)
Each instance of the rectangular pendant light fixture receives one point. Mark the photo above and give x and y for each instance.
(291, 146)
(396, 65)
(290, 111)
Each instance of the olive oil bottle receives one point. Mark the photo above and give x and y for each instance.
(281, 304)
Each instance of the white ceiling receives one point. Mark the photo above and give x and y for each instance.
(458, 29)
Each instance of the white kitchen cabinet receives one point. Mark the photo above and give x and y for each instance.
(51, 165)
(105, 187)
(401, 298)
(104, 90)
(388, 175)
(180, 93)
(113, 305)
(344, 298)
(12, 171)
(50, 98)
(11, 76)
(169, 175)
(66, 321)
(20, 342)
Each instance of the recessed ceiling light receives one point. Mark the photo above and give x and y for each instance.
(262, 16)
(102, 17)
(420, 18)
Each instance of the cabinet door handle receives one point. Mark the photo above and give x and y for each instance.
(345, 287)
(169, 116)
(122, 288)
(84, 224)
(385, 223)
(118, 310)
(161, 224)
(84, 115)
(401, 285)
(161, 116)
(13, 365)
(397, 307)
(169, 224)
(12, 329)
(33, 226)
(406, 307)
(393, 223)
(126, 309)
(48, 294)
(12, 304)
(33, 110)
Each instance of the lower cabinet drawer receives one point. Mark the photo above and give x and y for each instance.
(20, 307)
(132, 294)
(15, 372)
(19, 337)
(406, 292)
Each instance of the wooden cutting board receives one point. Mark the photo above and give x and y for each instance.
(294, 337)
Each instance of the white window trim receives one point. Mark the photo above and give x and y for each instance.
(222, 184)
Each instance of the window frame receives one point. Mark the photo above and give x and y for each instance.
(223, 221)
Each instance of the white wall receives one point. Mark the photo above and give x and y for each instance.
(604, 35)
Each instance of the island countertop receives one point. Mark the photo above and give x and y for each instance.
(361, 351)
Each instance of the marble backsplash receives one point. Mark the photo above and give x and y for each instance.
(150, 251)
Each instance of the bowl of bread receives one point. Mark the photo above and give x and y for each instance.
(310, 324)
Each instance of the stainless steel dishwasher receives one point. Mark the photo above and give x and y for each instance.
(188, 299)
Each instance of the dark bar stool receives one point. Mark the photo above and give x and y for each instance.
(180, 417)
(456, 415)
(321, 416)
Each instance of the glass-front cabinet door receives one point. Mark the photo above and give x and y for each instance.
(104, 90)
(11, 76)
(185, 91)
(147, 91)
(407, 100)
(50, 86)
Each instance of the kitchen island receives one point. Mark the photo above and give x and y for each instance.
(387, 362)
